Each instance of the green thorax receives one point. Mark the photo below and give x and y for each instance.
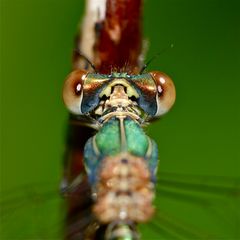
(118, 135)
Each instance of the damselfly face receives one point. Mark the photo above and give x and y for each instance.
(94, 94)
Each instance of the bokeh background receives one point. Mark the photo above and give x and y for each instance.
(199, 137)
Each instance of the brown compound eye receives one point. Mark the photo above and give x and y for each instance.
(73, 91)
(166, 93)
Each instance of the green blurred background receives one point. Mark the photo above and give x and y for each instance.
(200, 136)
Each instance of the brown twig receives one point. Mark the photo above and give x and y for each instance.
(111, 36)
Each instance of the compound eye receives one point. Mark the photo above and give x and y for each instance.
(166, 93)
(73, 91)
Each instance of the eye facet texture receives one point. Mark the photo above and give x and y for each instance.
(166, 93)
(73, 91)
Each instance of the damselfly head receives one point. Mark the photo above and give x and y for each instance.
(97, 94)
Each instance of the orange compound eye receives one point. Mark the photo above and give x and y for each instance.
(73, 91)
(166, 93)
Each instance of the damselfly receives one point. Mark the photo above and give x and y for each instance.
(36, 212)
(120, 160)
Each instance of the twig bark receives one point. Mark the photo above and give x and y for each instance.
(111, 35)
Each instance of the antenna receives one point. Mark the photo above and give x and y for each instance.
(87, 60)
(155, 56)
